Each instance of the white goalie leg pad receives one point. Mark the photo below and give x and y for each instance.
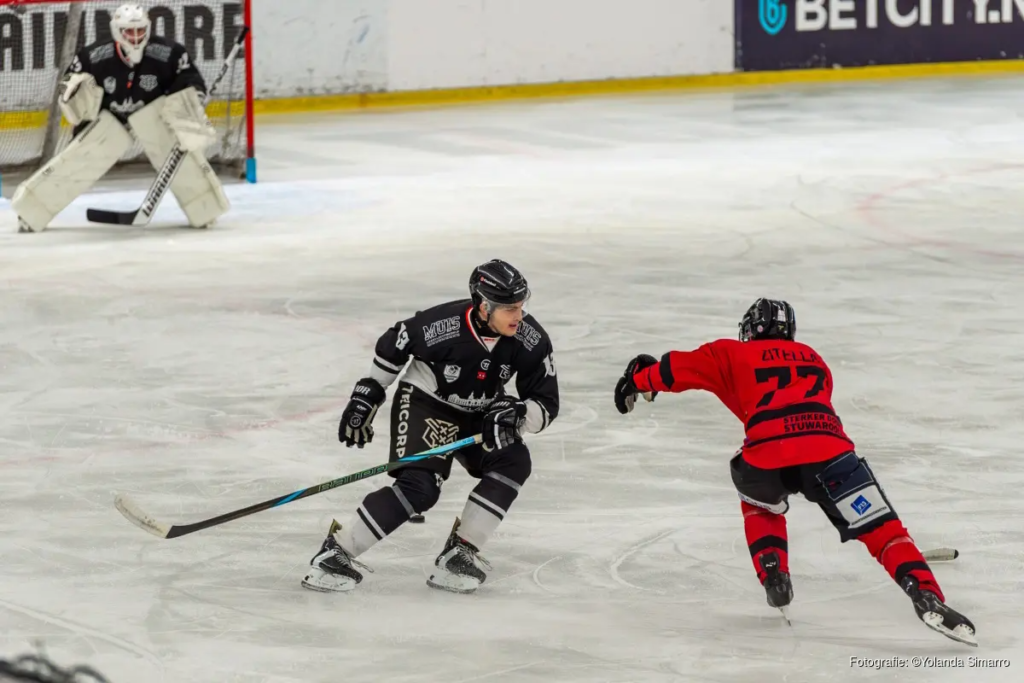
(196, 187)
(185, 116)
(92, 153)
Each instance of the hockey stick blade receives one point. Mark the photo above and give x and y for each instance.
(112, 217)
(941, 554)
(134, 514)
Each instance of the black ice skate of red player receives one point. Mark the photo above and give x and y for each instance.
(781, 390)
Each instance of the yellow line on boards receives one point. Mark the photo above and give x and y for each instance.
(450, 96)
(453, 96)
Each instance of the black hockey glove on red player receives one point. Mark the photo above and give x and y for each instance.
(625, 389)
(367, 396)
(502, 423)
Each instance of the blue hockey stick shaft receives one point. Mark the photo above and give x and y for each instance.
(127, 507)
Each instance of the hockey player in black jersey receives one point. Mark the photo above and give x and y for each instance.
(133, 87)
(458, 357)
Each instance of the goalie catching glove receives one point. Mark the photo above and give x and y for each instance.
(502, 423)
(625, 388)
(185, 115)
(356, 420)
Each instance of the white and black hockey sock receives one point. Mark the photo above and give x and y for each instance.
(381, 513)
(487, 505)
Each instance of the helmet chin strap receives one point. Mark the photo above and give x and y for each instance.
(122, 55)
(482, 315)
(485, 318)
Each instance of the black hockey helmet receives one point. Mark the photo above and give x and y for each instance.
(768, 319)
(499, 283)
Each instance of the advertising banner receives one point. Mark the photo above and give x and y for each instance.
(807, 34)
(31, 39)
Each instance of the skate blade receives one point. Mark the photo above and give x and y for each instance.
(322, 582)
(785, 614)
(961, 634)
(453, 584)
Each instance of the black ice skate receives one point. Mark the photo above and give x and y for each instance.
(333, 569)
(937, 615)
(459, 566)
(777, 586)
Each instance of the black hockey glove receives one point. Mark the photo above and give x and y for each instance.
(367, 397)
(502, 423)
(625, 389)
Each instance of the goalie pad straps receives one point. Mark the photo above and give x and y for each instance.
(80, 98)
(196, 186)
(72, 172)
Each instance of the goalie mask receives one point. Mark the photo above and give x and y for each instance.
(130, 29)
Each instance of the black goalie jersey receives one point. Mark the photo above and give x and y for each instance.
(464, 364)
(166, 68)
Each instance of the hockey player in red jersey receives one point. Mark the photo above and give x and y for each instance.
(781, 390)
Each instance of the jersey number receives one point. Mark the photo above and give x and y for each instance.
(403, 338)
(784, 375)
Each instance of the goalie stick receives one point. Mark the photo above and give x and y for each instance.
(169, 170)
(134, 514)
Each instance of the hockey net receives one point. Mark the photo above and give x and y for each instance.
(38, 39)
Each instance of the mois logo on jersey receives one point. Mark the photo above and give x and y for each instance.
(528, 335)
(442, 330)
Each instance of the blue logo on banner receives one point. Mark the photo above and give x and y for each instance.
(772, 14)
(861, 505)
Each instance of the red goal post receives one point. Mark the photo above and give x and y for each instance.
(38, 39)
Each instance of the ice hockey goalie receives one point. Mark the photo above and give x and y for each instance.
(134, 87)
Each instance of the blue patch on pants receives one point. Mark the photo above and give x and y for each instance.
(861, 505)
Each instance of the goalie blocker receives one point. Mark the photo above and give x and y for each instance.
(169, 120)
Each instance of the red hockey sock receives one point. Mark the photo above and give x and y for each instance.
(892, 546)
(766, 532)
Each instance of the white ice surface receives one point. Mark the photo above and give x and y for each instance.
(205, 371)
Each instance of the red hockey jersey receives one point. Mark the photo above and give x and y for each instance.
(780, 390)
